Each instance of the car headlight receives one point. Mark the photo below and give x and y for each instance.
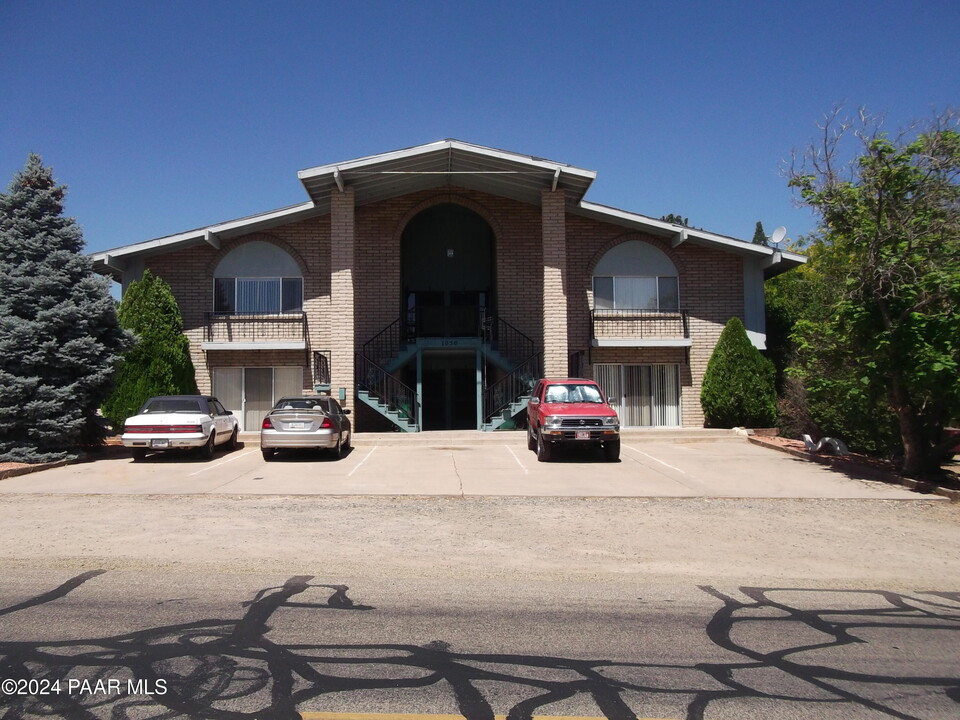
(553, 421)
(612, 420)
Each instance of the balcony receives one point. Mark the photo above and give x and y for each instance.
(255, 332)
(639, 328)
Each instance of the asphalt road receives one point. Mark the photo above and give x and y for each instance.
(267, 606)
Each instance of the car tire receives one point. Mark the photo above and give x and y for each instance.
(139, 454)
(337, 452)
(234, 441)
(268, 453)
(611, 451)
(544, 451)
(531, 440)
(211, 445)
(346, 445)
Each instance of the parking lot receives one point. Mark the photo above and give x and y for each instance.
(464, 464)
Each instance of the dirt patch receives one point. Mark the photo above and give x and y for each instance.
(865, 466)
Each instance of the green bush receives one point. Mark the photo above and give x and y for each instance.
(160, 363)
(739, 384)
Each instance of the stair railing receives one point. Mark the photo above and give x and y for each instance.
(387, 389)
(385, 345)
(507, 340)
(516, 384)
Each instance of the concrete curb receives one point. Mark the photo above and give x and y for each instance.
(27, 469)
(842, 463)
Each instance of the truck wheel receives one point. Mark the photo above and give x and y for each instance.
(531, 440)
(544, 451)
(611, 451)
(139, 454)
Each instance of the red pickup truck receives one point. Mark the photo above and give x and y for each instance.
(571, 412)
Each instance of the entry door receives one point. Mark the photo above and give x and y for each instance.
(251, 392)
(257, 396)
(643, 395)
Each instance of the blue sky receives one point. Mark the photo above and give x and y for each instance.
(164, 117)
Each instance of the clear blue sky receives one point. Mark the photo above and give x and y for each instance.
(163, 117)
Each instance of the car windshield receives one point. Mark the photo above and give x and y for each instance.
(171, 405)
(298, 404)
(573, 393)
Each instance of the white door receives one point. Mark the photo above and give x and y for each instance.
(250, 393)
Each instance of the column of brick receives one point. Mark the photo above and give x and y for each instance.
(555, 355)
(342, 293)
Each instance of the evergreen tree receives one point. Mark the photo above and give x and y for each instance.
(59, 336)
(738, 385)
(759, 236)
(160, 364)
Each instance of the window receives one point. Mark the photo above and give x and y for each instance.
(635, 293)
(258, 296)
(257, 278)
(635, 275)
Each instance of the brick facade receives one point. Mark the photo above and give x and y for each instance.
(544, 260)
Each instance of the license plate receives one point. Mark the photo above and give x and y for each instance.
(583, 435)
(296, 426)
(162, 443)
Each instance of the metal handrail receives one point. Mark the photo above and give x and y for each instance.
(517, 383)
(641, 323)
(508, 341)
(385, 344)
(254, 321)
(387, 389)
(321, 367)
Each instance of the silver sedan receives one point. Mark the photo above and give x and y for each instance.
(309, 421)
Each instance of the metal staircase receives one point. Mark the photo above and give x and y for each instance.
(502, 346)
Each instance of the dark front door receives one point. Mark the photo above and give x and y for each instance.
(450, 389)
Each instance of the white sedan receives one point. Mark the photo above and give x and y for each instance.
(180, 422)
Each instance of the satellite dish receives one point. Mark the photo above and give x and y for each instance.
(778, 235)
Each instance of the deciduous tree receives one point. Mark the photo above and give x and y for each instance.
(889, 252)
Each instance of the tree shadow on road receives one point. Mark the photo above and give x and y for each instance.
(230, 668)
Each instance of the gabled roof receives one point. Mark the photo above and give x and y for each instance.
(438, 164)
(447, 162)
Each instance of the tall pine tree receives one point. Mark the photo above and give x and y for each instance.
(160, 363)
(60, 341)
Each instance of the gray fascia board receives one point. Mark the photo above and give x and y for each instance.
(230, 228)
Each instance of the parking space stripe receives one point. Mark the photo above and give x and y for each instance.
(522, 466)
(350, 474)
(672, 467)
(221, 463)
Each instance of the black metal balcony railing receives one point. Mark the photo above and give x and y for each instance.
(642, 324)
(222, 327)
(321, 367)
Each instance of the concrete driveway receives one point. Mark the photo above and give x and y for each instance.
(652, 464)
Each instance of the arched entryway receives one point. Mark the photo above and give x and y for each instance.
(447, 266)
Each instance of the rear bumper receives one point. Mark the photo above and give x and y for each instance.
(324, 439)
(171, 441)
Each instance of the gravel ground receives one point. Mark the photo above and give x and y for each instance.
(833, 542)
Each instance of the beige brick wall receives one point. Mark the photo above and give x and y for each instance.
(539, 298)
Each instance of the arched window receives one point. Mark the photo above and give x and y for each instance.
(635, 276)
(257, 278)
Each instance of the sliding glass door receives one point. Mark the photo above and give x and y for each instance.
(643, 395)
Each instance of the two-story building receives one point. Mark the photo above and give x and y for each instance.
(430, 287)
